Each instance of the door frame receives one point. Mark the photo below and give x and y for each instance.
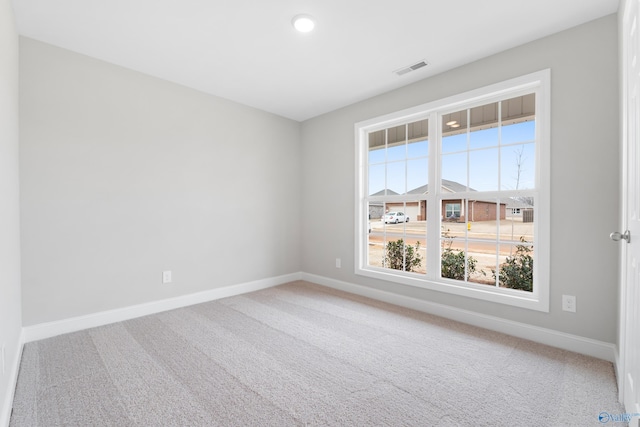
(626, 14)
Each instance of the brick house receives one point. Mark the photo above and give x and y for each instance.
(453, 210)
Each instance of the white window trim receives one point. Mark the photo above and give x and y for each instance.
(538, 82)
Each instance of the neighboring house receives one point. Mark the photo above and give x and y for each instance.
(520, 209)
(452, 209)
(376, 209)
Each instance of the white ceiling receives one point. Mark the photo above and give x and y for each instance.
(247, 50)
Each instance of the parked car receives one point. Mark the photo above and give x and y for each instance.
(395, 217)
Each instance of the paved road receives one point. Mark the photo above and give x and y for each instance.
(486, 230)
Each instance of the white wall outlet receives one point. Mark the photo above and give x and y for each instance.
(338, 263)
(569, 303)
(166, 276)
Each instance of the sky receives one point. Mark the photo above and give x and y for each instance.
(486, 160)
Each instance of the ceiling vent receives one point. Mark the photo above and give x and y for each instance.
(410, 68)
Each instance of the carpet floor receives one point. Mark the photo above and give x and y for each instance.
(305, 355)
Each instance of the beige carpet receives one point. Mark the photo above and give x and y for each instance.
(301, 354)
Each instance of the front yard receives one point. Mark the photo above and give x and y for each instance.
(488, 242)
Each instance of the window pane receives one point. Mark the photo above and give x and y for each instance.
(483, 138)
(375, 211)
(453, 263)
(453, 143)
(484, 220)
(519, 132)
(405, 255)
(401, 237)
(518, 119)
(420, 216)
(418, 149)
(483, 169)
(418, 130)
(516, 267)
(392, 225)
(484, 126)
(453, 216)
(454, 123)
(454, 168)
(394, 213)
(376, 156)
(466, 260)
(376, 180)
(417, 176)
(396, 177)
(518, 167)
(396, 152)
(460, 264)
(517, 244)
(397, 134)
(374, 238)
(453, 232)
(411, 234)
(377, 141)
(376, 252)
(453, 245)
(397, 143)
(519, 220)
(482, 261)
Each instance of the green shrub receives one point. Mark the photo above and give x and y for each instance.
(517, 270)
(452, 264)
(400, 256)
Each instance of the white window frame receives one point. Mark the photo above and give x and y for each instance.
(538, 83)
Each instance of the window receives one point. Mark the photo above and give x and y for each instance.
(452, 211)
(454, 195)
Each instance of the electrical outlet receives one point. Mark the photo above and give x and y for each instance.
(338, 263)
(569, 303)
(166, 276)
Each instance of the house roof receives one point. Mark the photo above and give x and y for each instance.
(454, 187)
(515, 203)
(386, 192)
(447, 185)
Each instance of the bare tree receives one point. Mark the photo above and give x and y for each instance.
(520, 162)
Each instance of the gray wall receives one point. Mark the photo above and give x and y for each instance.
(10, 305)
(584, 165)
(124, 175)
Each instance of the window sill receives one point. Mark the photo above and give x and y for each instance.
(512, 297)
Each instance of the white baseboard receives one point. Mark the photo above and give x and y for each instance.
(578, 344)
(14, 369)
(575, 343)
(52, 329)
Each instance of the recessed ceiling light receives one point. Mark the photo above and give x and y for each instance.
(451, 123)
(303, 23)
(455, 125)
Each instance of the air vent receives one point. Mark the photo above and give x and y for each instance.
(416, 66)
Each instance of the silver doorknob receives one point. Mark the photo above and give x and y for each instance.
(616, 236)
